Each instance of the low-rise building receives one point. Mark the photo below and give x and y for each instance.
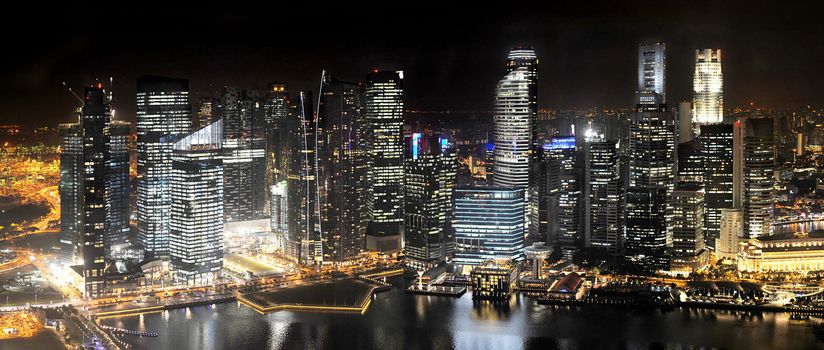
(494, 280)
(799, 252)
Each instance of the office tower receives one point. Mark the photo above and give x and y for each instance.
(688, 249)
(651, 75)
(341, 167)
(646, 227)
(564, 195)
(708, 88)
(732, 228)
(94, 121)
(196, 228)
(383, 110)
(278, 221)
(513, 130)
(117, 183)
(717, 144)
(205, 112)
(690, 161)
(489, 224)
(605, 197)
(652, 149)
(304, 240)
(759, 177)
(431, 170)
(244, 162)
(163, 117)
(71, 189)
(685, 130)
(276, 111)
(738, 164)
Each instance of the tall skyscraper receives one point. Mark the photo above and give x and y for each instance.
(205, 112)
(117, 183)
(489, 224)
(341, 167)
(564, 189)
(717, 141)
(708, 87)
(279, 219)
(688, 246)
(513, 130)
(691, 161)
(605, 197)
(244, 162)
(276, 112)
(71, 191)
(163, 117)
(646, 227)
(383, 108)
(305, 241)
(651, 75)
(94, 122)
(431, 170)
(196, 238)
(759, 177)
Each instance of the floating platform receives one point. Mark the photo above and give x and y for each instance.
(447, 291)
(347, 295)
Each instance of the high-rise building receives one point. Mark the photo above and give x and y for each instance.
(759, 177)
(205, 112)
(71, 191)
(564, 195)
(717, 142)
(688, 249)
(708, 88)
(278, 221)
(276, 112)
(94, 121)
(163, 117)
(690, 161)
(651, 75)
(383, 111)
(646, 226)
(685, 129)
(431, 170)
(304, 241)
(513, 130)
(489, 224)
(732, 229)
(117, 183)
(196, 238)
(244, 162)
(605, 197)
(341, 167)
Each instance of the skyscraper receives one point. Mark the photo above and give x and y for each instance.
(276, 111)
(196, 238)
(717, 141)
(431, 170)
(688, 246)
(651, 75)
(341, 167)
(205, 112)
(564, 189)
(163, 117)
(605, 197)
(513, 130)
(71, 191)
(759, 177)
(117, 183)
(732, 228)
(304, 240)
(383, 108)
(94, 121)
(646, 227)
(489, 224)
(244, 162)
(708, 87)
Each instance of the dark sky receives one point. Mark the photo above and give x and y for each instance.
(452, 56)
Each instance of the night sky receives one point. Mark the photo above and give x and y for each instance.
(452, 57)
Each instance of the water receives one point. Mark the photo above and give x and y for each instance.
(396, 320)
(800, 227)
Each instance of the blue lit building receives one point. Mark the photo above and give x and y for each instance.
(488, 224)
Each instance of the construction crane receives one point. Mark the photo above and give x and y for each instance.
(73, 93)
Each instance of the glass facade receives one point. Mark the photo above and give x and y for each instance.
(708, 87)
(489, 223)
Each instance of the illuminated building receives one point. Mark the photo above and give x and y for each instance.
(196, 239)
(94, 121)
(431, 170)
(759, 177)
(537, 253)
(646, 226)
(304, 239)
(276, 112)
(783, 253)
(605, 197)
(513, 130)
(717, 142)
(117, 183)
(651, 75)
(732, 228)
(278, 221)
(71, 187)
(708, 88)
(494, 280)
(564, 195)
(341, 167)
(489, 224)
(688, 252)
(205, 112)
(163, 117)
(690, 161)
(244, 163)
(383, 108)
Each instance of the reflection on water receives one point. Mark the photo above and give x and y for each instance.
(396, 320)
(800, 227)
